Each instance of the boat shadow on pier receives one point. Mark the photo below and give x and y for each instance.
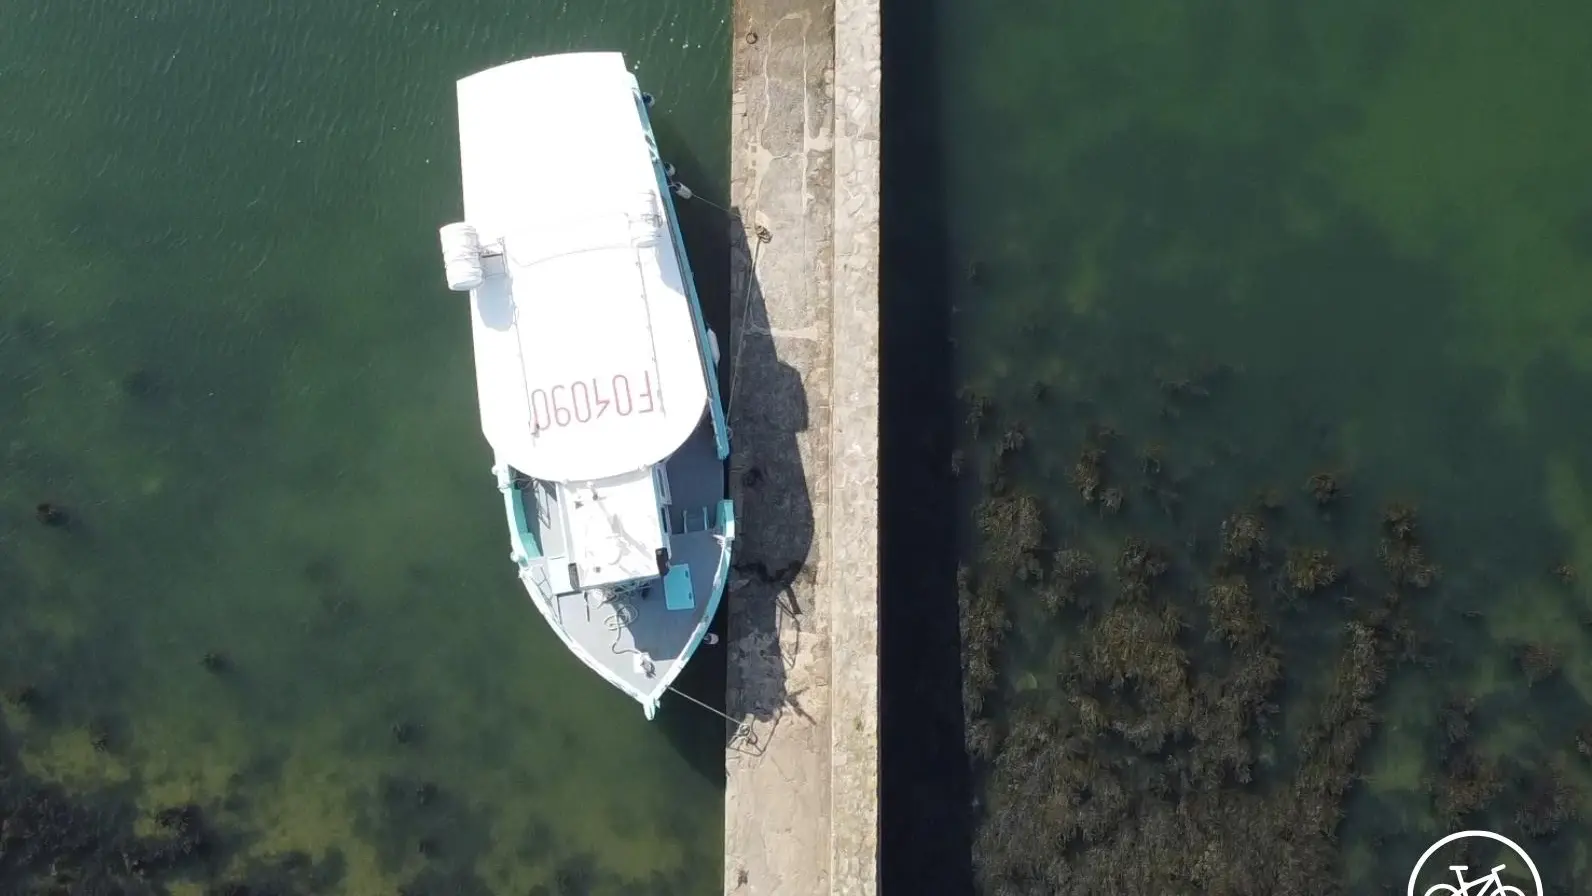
(772, 583)
(766, 603)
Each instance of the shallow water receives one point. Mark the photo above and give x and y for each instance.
(227, 350)
(1376, 222)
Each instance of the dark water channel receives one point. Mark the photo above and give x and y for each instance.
(1261, 526)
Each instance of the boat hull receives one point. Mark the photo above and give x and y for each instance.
(580, 284)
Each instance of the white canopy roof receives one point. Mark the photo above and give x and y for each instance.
(587, 359)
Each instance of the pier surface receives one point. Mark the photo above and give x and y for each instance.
(802, 791)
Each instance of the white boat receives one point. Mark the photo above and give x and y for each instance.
(596, 371)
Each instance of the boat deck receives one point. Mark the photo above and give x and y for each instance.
(614, 629)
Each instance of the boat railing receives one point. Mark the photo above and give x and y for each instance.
(710, 363)
(525, 375)
(536, 574)
(660, 388)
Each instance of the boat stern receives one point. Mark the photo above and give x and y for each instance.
(636, 625)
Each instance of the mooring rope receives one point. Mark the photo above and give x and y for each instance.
(740, 338)
(741, 728)
(762, 236)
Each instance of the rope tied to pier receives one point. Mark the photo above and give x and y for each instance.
(746, 309)
(762, 235)
(743, 728)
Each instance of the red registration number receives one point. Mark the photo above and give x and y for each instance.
(584, 401)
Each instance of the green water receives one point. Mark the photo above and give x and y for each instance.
(1378, 219)
(227, 350)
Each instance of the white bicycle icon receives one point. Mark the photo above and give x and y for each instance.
(1491, 885)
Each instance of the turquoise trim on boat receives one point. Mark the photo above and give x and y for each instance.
(526, 538)
(525, 541)
(710, 368)
(677, 593)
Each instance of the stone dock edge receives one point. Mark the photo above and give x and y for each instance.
(802, 771)
(854, 456)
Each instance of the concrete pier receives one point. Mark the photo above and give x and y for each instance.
(802, 795)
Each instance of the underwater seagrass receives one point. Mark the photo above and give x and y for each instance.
(1173, 695)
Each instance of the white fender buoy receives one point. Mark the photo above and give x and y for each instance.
(461, 256)
(681, 190)
(713, 343)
